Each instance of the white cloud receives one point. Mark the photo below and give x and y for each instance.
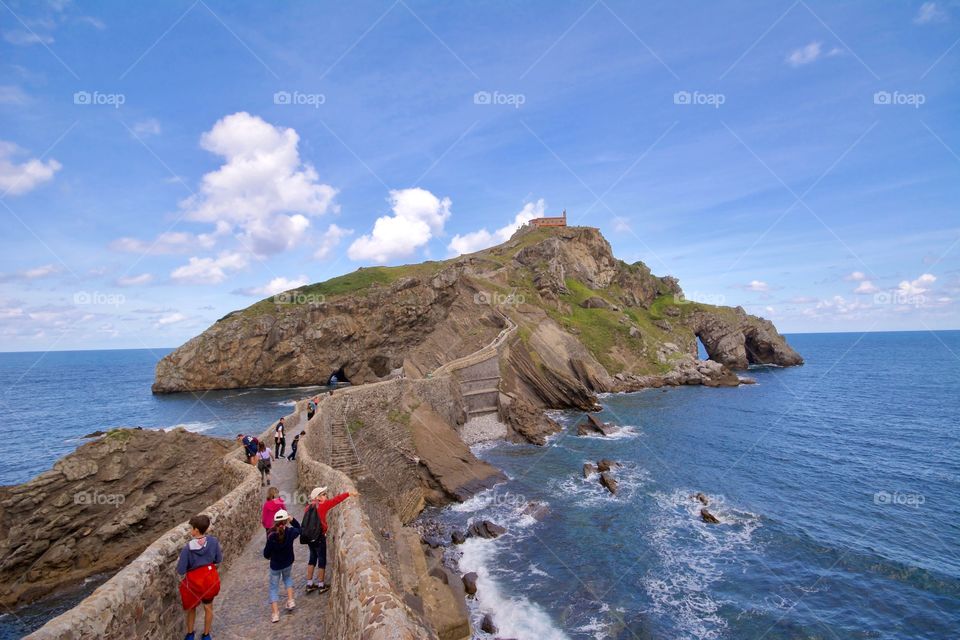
(866, 287)
(17, 179)
(166, 243)
(209, 270)
(481, 239)
(329, 241)
(148, 127)
(263, 189)
(757, 285)
(134, 281)
(837, 306)
(275, 286)
(929, 12)
(804, 55)
(170, 318)
(41, 272)
(26, 38)
(417, 216)
(12, 94)
(856, 276)
(916, 287)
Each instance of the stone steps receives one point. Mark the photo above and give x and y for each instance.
(478, 392)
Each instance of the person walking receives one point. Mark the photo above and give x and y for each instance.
(271, 506)
(311, 409)
(314, 534)
(279, 550)
(264, 463)
(200, 582)
(279, 438)
(295, 445)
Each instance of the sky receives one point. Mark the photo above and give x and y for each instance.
(162, 164)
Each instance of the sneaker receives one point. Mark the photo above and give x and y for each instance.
(290, 605)
(275, 617)
(323, 588)
(311, 587)
(189, 636)
(206, 636)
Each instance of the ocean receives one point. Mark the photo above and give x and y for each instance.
(836, 484)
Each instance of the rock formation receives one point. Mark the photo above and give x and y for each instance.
(102, 505)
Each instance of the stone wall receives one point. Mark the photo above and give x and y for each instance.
(363, 604)
(143, 600)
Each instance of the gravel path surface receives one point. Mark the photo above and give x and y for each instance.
(242, 610)
(483, 428)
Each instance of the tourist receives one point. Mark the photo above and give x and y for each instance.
(279, 550)
(294, 445)
(315, 534)
(201, 580)
(311, 409)
(279, 439)
(250, 445)
(264, 462)
(273, 504)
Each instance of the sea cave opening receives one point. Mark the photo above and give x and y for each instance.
(701, 350)
(338, 377)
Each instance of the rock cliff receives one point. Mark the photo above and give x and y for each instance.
(586, 323)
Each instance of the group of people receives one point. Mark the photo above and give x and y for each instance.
(199, 559)
(260, 454)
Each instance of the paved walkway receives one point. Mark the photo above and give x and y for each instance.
(242, 609)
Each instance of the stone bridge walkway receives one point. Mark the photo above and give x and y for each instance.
(242, 610)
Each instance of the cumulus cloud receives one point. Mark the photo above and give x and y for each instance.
(17, 179)
(166, 243)
(170, 318)
(263, 189)
(805, 54)
(148, 127)
(209, 270)
(43, 271)
(929, 12)
(837, 306)
(757, 285)
(134, 281)
(275, 286)
(481, 239)
(417, 216)
(856, 276)
(329, 241)
(866, 286)
(916, 287)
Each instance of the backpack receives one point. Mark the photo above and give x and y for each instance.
(311, 529)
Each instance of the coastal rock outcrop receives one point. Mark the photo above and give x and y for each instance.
(736, 339)
(102, 505)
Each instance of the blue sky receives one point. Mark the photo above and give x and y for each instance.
(163, 164)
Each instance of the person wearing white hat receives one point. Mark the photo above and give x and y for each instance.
(279, 550)
(314, 534)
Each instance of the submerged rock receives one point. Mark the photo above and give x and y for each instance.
(708, 517)
(486, 529)
(470, 583)
(701, 498)
(593, 426)
(487, 625)
(589, 470)
(607, 465)
(609, 482)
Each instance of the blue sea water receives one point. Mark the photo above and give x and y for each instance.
(837, 485)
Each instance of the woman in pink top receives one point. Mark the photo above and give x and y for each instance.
(273, 504)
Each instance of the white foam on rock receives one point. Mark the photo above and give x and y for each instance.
(515, 616)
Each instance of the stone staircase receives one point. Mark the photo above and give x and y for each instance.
(343, 454)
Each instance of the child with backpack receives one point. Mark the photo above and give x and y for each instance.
(279, 550)
(264, 463)
(201, 581)
(314, 534)
(294, 445)
(273, 504)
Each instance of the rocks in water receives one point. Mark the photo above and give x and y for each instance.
(708, 517)
(458, 537)
(607, 465)
(433, 541)
(737, 340)
(593, 426)
(486, 529)
(536, 510)
(589, 470)
(470, 583)
(701, 498)
(609, 482)
(486, 625)
(95, 434)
